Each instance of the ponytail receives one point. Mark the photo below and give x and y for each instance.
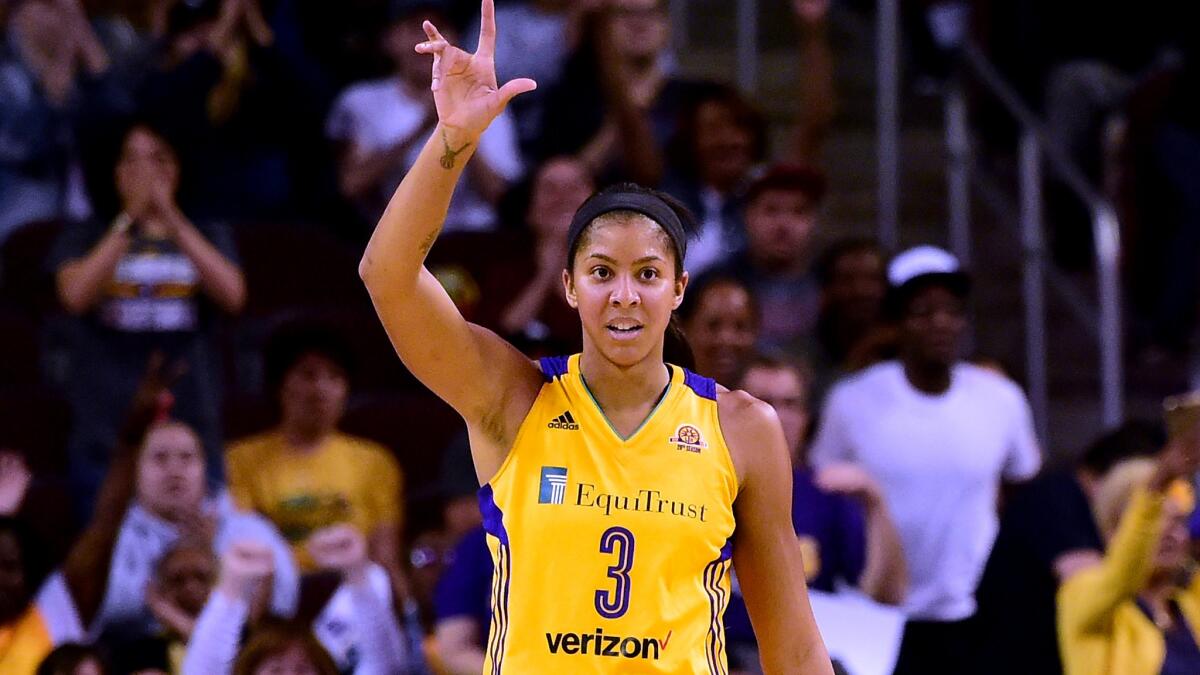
(676, 348)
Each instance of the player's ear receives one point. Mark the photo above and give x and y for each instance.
(680, 286)
(569, 289)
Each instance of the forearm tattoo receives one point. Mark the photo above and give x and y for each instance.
(448, 155)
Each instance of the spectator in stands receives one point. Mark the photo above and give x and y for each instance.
(462, 606)
(305, 475)
(840, 515)
(781, 217)
(380, 646)
(379, 126)
(170, 508)
(721, 319)
(618, 100)
(1048, 533)
(1135, 612)
(248, 120)
(850, 275)
(523, 296)
(49, 59)
(72, 659)
(938, 435)
(151, 279)
(719, 140)
(70, 599)
(538, 37)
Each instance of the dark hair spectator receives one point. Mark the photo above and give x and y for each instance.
(719, 140)
(781, 217)
(936, 411)
(73, 659)
(50, 57)
(1048, 533)
(304, 474)
(850, 275)
(170, 509)
(151, 279)
(379, 126)
(721, 318)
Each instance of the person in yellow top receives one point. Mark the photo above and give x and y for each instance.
(304, 475)
(1137, 612)
(613, 481)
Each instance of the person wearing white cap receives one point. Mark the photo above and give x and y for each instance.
(939, 435)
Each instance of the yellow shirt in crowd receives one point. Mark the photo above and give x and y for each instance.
(50, 620)
(1101, 630)
(345, 480)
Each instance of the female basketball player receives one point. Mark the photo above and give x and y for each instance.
(611, 480)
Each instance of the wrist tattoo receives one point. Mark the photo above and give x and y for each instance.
(448, 155)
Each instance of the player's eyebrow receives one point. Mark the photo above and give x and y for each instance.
(613, 261)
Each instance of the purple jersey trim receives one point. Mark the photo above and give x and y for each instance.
(705, 387)
(553, 366)
(493, 517)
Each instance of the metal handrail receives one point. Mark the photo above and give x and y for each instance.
(1035, 148)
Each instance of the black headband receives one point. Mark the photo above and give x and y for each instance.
(646, 204)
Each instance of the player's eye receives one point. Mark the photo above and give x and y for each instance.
(601, 272)
(648, 274)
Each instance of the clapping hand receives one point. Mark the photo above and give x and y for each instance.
(14, 482)
(244, 569)
(464, 85)
(850, 480)
(340, 548)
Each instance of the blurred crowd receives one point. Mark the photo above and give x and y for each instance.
(211, 461)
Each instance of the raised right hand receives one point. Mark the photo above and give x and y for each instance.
(1180, 459)
(244, 567)
(464, 85)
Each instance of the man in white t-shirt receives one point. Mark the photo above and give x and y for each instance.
(379, 127)
(939, 435)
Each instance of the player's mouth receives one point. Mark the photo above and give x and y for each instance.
(624, 329)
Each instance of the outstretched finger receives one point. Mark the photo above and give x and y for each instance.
(432, 32)
(487, 30)
(514, 88)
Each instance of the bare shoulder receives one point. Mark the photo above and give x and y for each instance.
(749, 426)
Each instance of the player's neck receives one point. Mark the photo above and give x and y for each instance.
(622, 388)
(926, 376)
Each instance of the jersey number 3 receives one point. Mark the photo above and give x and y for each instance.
(613, 604)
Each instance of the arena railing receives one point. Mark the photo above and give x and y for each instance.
(1037, 149)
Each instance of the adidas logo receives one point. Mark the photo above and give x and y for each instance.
(563, 421)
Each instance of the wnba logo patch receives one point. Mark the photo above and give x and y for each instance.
(553, 487)
(687, 437)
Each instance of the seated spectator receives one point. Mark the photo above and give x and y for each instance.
(379, 644)
(1048, 533)
(1135, 612)
(781, 218)
(50, 56)
(719, 140)
(938, 435)
(462, 606)
(523, 296)
(305, 475)
(73, 659)
(379, 127)
(247, 118)
(850, 276)
(618, 101)
(31, 627)
(150, 280)
(721, 319)
(840, 515)
(170, 508)
(537, 38)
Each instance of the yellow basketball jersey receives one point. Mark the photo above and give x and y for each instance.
(611, 554)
